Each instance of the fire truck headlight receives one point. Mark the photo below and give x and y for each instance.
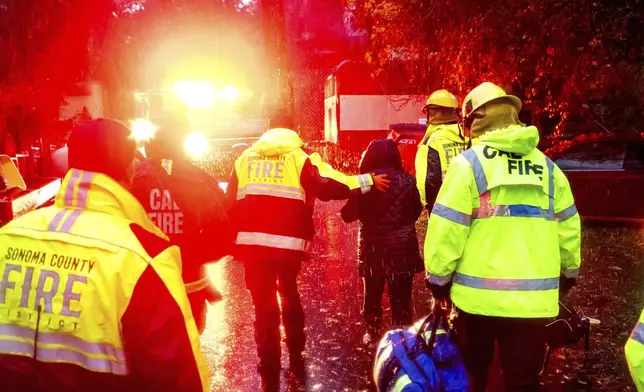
(230, 93)
(195, 94)
(142, 130)
(196, 145)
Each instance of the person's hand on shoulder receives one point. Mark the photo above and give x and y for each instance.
(380, 182)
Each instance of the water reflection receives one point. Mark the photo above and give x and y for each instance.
(331, 292)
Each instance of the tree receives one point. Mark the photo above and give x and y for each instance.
(277, 52)
(580, 57)
(43, 53)
(47, 46)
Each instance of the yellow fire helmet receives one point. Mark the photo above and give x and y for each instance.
(484, 93)
(442, 98)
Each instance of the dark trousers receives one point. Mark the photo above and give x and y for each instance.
(264, 280)
(399, 287)
(521, 345)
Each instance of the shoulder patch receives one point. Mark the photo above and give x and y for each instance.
(152, 243)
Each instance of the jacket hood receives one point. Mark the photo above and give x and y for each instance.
(381, 154)
(518, 139)
(452, 129)
(277, 141)
(494, 115)
(439, 117)
(84, 190)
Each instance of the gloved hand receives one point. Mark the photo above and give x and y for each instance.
(565, 286)
(439, 292)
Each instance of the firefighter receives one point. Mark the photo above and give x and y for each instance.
(442, 142)
(505, 240)
(634, 351)
(78, 278)
(274, 186)
(188, 205)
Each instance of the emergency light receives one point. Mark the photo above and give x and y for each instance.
(202, 95)
(196, 145)
(196, 94)
(229, 93)
(142, 130)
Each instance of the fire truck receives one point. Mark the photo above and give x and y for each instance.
(356, 110)
(213, 114)
(21, 189)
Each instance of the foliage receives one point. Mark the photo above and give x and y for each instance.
(47, 46)
(341, 159)
(43, 52)
(567, 57)
(221, 162)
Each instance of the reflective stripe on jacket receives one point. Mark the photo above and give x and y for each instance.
(77, 279)
(274, 188)
(503, 229)
(634, 351)
(362, 182)
(445, 139)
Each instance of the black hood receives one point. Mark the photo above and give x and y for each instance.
(381, 154)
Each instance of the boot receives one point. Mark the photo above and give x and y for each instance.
(270, 382)
(297, 364)
(372, 334)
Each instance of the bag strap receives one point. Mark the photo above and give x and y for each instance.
(414, 370)
(423, 325)
(438, 315)
(586, 342)
(586, 325)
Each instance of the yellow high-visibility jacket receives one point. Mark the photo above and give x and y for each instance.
(273, 191)
(634, 351)
(91, 292)
(362, 182)
(504, 228)
(440, 145)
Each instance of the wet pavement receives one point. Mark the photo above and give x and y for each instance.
(609, 289)
(331, 292)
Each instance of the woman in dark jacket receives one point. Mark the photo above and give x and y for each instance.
(388, 246)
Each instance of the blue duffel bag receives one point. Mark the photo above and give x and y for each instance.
(420, 359)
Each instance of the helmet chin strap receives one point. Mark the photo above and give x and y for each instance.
(462, 126)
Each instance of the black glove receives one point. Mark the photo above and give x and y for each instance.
(565, 285)
(438, 292)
